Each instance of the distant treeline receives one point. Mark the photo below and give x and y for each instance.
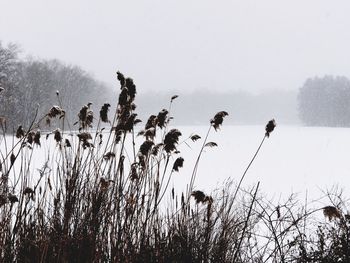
(31, 84)
(325, 101)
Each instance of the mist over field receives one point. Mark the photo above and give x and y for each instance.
(196, 108)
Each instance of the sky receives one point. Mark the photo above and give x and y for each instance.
(187, 45)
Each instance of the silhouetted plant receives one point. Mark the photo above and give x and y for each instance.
(100, 196)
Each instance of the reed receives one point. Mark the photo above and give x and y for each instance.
(101, 197)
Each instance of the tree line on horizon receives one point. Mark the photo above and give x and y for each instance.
(325, 101)
(33, 85)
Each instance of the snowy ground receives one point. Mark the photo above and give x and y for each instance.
(293, 159)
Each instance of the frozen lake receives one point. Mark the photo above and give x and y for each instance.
(293, 159)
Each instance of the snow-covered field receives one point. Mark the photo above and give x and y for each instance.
(293, 159)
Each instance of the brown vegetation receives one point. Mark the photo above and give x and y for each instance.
(105, 203)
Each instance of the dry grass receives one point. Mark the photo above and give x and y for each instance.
(101, 201)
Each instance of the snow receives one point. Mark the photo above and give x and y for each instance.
(293, 160)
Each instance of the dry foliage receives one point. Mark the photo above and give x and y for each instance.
(97, 199)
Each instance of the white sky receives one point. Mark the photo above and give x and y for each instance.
(187, 44)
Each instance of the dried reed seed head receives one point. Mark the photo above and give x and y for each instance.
(123, 97)
(86, 115)
(84, 136)
(156, 148)
(278, 211)
(133, 172)
(89, 118)
(67, 143)
(178, 164)
(56, 111)
(83, 112)
(195, 137)
(109, 155)
(141, 132)
(100, 136)
(20, 132)
(88, 145)
(105, 183)
(12, 158)
(104, 112)
(129, 124)
(129, 83)
(122, 116)
(121, 79)
(331, 212)
(173, 97)
(30, 137)
(151, 122)
(211, 144)
(83, 116)
(3, 200)
(199, 196)
(171, 139)
(162, 118)
(150, 133)
(133, 106)
(218, 119)
(222, 113)
(142, 161)
(12, 198)
(270, 126)
(118, 136)
(37, 136)
(58, 135)
(28, 191)
(146, 147)
(136, 121)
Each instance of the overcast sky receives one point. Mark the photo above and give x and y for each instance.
(185, 44)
